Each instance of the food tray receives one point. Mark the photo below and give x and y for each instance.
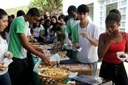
(80, 68)
(53, 75)
(53, 63)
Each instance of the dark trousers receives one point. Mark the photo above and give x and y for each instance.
(114, 72)
(19, 72)
(5, 79)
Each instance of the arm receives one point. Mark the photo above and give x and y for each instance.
(42, 37)
(2, 67)
(37, 48)
(102, 48)
(91, 40)
(126, 50)
(28, 46)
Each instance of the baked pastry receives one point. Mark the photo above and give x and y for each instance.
(80, 68)
(53, 75)
(53, 63)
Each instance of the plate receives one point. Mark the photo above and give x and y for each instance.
(122, 56)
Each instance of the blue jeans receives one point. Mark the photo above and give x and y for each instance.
(5, 79)
(94, 68)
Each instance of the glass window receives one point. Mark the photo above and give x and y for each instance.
(123, 3)
(101, 23)
(108, 1)
(122, 29)
(114, 0)
(101, 13)
(101, 7)
(123, 17)
(123, 10)
(101, 18)
(122, 24)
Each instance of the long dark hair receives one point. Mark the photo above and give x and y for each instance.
(2, 13)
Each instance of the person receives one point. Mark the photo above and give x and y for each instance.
(6, 31)
(73, 19)
(4, 77)
(27, 27)
(111, 42)
(116, 11)
(20, 13)
(37, 31)
(62, 20)
(19, 45)
(12, 16)
(86, 35)
(47, 32)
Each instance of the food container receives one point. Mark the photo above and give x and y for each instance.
(122, 56)
(80, 68)
(53, 76)
(53, 63)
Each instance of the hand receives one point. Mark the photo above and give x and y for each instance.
(46, 60)
(114, 35)
(8, 55)
(2, 66)
(77, 46)
(84, 34)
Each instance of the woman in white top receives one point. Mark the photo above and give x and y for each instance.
(4, 76)
(37, 30)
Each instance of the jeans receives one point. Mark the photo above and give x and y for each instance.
(5, 79)
(94, 68)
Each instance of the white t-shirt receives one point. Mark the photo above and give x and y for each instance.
(88, 54)
(27, 29)
(3, 48)
(74, 22)
(36, 31)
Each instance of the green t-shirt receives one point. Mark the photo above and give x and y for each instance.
(75, 37)
(68, 26)
(15, 45)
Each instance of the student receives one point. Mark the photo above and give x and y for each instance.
(86, 34)
(20, 13)
(63, 19)
(37, 31)
(73, 19)
(47, 33)
(6, 31)
(19, 44)
(110, 43)
(116, 11)
(4, 77)
(12, 16)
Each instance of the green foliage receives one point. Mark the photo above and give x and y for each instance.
(14, 10)
(51, 6)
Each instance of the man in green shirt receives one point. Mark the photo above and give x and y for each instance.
(19, 44)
